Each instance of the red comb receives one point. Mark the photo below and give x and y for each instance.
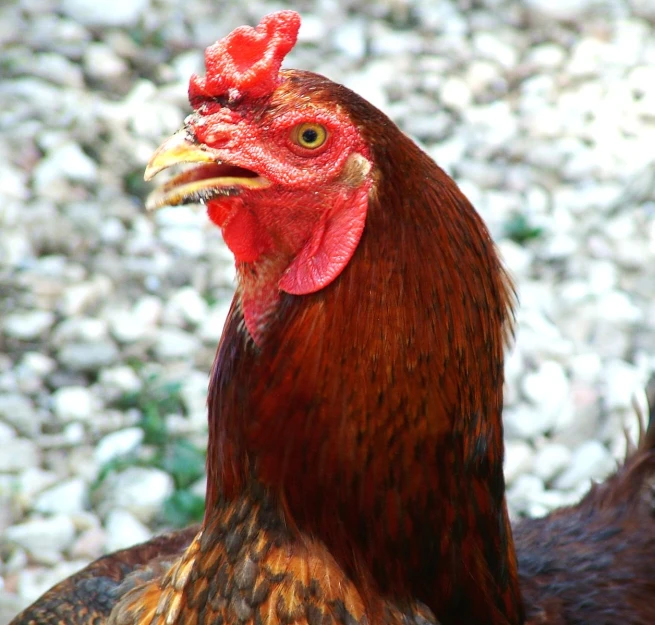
(248, 60)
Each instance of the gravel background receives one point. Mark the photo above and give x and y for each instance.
(544, 112)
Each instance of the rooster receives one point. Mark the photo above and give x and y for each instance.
(355, 462)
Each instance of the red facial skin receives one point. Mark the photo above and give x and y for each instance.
(298, 234)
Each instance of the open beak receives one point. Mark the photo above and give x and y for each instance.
(209, 179)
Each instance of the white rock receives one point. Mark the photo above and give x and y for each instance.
(129, 327)
(149, 309)
(80, 297)
(548, 55)
(456, 93)
(37, 363)
(58, 69)
(120, 378)
(15, 247)
(369, 82)
(481, 75)
(74, 403)
(525, 490)
(43, 539)
(186, 305)
(16, 561)
(561, 245)
(105, 14)
(191, 62)
(551, 460)
(586, 367)
(119, 443)
(7, 433)
(491, 46)
(350, 38)
(643, 8)
(73, 434)
(199, 487)
(620, 381)
(67, 161)
(313, 29)
(518, 459)
(102, 63)
(124, 530)
(34, 480)
(138, 490)
(90, 544)
(79, 329)
(66, 497)
(616, 306)
(180, 217)
(28, 325)
(173, 343)
(194, 393)
(212, 325)
(112, 231)
(13, 181)
(546, 501)
(88, 356)
(190, 241)
(517, 259)
(591, 460)
(548, 390)
(19, 455)
(150, 117)
(526, 422)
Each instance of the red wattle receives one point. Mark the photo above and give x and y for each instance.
(245, 237)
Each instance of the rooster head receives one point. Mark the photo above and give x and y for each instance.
(283, 167)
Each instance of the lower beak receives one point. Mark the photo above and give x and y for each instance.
(210, 179)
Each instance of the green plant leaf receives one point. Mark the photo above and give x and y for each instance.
(182, 508)
(519, 229)
(185, 462)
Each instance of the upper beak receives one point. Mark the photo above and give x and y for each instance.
(199, 184)
(175, 150)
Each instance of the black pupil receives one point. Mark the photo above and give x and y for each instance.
(309, 135)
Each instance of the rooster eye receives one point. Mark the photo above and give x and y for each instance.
(309, 135)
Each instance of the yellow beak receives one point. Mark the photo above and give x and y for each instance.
(198, 184)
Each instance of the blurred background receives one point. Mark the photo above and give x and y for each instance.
(542, 110)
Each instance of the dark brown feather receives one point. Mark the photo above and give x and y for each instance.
(595, 562)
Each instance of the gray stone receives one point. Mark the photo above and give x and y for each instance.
(102, 63)
(124, 530)
(185, 306)
(139, 490)
(551, 460)
(518, 459)
(591, 460)
(28, 325)
(116, 13)
(43, 539)
(173, 343)
(88, 356)
(548, 389)
(18, 455)
(121, 379)
(74, 403)
(116, 444)
(67, 497)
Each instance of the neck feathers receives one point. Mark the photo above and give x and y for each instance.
(373, 407)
